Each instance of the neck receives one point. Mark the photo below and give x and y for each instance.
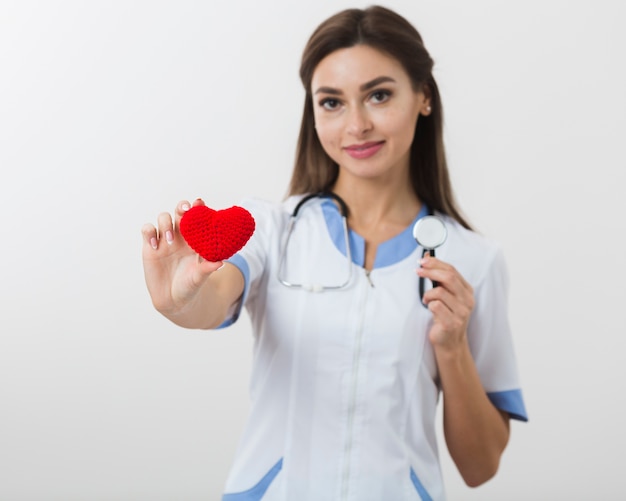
(372, 202)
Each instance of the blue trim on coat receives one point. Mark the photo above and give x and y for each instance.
(510, 401)
(258, 491)
(242, 264)
(419, 487)
(389, 252)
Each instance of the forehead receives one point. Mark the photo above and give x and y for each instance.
(356, 65)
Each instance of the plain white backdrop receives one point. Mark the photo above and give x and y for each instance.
(111, 112)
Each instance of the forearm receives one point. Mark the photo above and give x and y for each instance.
(476, 432)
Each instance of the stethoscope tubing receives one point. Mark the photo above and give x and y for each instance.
(292, 222)
(343, 207)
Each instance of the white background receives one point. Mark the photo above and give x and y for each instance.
(111, 112)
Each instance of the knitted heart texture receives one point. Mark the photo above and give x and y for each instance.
(216, 234)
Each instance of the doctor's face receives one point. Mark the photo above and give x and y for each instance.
(365, 111)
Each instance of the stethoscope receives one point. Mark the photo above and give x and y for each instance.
(343, 208)
(429, 232)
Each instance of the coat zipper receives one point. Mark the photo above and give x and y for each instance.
(345, 480)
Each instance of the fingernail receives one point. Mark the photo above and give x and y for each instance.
(169, 237)
(185, 207)
(153, 243)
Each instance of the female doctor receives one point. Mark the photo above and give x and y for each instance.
(348, 363)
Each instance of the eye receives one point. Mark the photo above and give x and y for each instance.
(380, 96)
(329, 103)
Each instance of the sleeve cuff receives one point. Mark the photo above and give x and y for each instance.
(233, 315)
(510, 401)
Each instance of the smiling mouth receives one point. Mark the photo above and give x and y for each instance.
(364, 150)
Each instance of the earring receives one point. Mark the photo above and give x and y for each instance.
(428, 109)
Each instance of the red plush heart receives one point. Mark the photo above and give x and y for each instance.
(216, 235)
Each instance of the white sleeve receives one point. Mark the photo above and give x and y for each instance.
(252, 258)
(490, 340)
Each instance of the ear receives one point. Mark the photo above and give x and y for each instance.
(425, 100)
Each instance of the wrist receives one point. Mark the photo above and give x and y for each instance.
(452, 353)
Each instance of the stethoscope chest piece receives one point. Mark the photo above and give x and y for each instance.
(430, 232)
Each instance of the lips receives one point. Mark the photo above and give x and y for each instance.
(364, 150)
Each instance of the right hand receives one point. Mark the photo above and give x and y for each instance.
(174, 272)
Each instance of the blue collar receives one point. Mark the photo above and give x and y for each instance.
(389, 252)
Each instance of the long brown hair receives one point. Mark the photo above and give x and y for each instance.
(390, 33)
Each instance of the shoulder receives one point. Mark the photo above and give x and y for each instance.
(263, 206)
(267, 211)
(473, 254)
(270, 216)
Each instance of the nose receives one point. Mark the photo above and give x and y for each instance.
(359, 122)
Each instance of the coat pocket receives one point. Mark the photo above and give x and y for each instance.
(257, 492)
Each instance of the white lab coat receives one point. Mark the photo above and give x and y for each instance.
(344, 384)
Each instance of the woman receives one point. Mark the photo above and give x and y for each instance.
(348, 364)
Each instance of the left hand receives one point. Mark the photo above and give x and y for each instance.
(451, 303)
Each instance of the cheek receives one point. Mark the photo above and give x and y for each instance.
(402, 125)
(329, 142)
(328, 134)
(321, 126)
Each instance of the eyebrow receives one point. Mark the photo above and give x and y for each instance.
(366, 86)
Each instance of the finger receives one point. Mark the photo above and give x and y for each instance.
(438, 298)
(166, 230)
(430, 262)
(450, 317)
(442, 272)
(461, 302)
(209, 266)
(445, 278)
(442, 315)
(149, 233)
(459, 305)
(182, 207)
(447, 327)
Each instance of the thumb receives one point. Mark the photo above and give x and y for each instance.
(204, 267)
